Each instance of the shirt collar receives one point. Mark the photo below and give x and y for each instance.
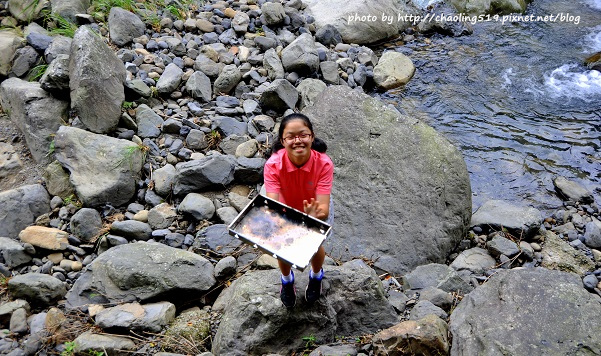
(290, 167)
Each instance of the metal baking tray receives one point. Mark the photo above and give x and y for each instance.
(280, 230)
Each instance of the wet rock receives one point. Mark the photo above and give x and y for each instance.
(86, 224)
(142, 271)
(39, 289)
(197, 205)
(149, 123)
(124, 26)
(113, 345)
(475, 260)
(351, 292)
(427, 336)
(498, 214)
(393, 70)
(309, 90)
(559, 255)
(301, 55)
(279, 96)
(208, 172)
(13, 253)
(535, 300)
(170, 79)
(131, 229)
(35, 112)
(96, 81)
(148, 317)
(56, 77)
(45, 237)
(103, 169)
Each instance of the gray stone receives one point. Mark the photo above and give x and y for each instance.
(351, 291)
(247, 149)
(273, 65)
(116, 240)
(10, 41)
(523, 308)
(193, 324)
(527, 250)
(424, 308)
(229, 126)
(237, 201)
(227, 80)
(199, 87)
(207, 66)
(393, 70)
(196, 140)
(60, 45)
(427, 226)
(279, 96)
(329, 71)
(590, 282)
(335, 350)
(35, 112)
(172, 126)
(36, 288)
(10, 163)
(27, 10)
(13, 253)
(163, 179)
(557, 254)
(18, 321)
(476, 260)
(231, 142)
(398, 300)
(37, 323)
(69, 8)
(24, 59)
(140, 272)
(197, 205)
(263, 123)
(20, 207)
(124, 26)
(86, 224)
(478, 7)
(225, 268)
(301, 55)
(500, 245)
(273, 13)
(427, 336)
(309, 90)
(249, 170)
(56, 77)
(437, 297)
(152, 317)
(149, 123)
(7, 308)
(132, 229)
(328, 35)
(170, 79)
(227, 214)
(89, 342)
(162, 216)
(103, 169)
(592, 235)
(572, 190)
(217, 239)
(209, 172)
(138, 87)
(435, 275)
(498, 214)
(96, 81)
(265, 43)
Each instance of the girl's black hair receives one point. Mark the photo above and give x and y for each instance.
(318, 144)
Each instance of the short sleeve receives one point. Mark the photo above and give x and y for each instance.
(326, 177)
(271, 177)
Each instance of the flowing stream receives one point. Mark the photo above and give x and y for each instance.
(517, 101)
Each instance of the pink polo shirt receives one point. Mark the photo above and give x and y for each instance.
(295, 184)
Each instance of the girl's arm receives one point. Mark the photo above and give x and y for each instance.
(318, 207)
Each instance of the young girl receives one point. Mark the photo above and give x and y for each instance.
(300, 174)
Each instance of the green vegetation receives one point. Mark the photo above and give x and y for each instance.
(59, 25)
(309, 341)
(51, 148)
(106, 5)
(37, 72)
(69, 349)
(127, 105)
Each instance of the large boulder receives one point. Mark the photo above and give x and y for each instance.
(419, 209)
(35, 112)
(528, 312)
(10, 41)
(477, 7)
(301, 55)
(254, 320)
(69, 8)
(141, 272)
(214, 171)
(350, 18)
(103, 169)
(124, 26)
(96, 80)
(20, 207)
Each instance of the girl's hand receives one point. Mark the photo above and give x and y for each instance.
(312, 208)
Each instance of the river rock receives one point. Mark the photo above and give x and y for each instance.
(10, 41)
(59, 45)
(273, 64)
(7, 308)
(124, 26)
(301, 55)
(197, 205)
(96, 81)
(45, 237)
(427, 336)
(86, 224)
(427, 226)
(478, 7)
(393, 70)
(273, 13)
(559, 255)
(10, 163)
(151, 317)
(225, 268)
(217, 239)
(475, 260)
(57, 180)
(279, 96)
(328, 35)
(142, 271)
(170, 79)
(249, 170)
(193, 324)
(56, 76)
(572, 190)
(24, 59)
(424, 308)
(349, 17)
(522, 308)
(36, 288)
(498, 214)
(240, 22)
(499, 245)
(27, 10)
(592, 234)
(163, 179)
(103, 169)
(208, 172)
(132, 229)
(18, 321)
(350, 292)
(89, 342)
(20, 207)
(69, 8)
(196, 140)
(149, 123)
(436, 275)
(35, 112)
(227, 80)
(13, 253)
(199, 86)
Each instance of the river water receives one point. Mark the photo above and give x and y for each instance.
(516, 100)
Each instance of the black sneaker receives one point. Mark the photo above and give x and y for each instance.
(313, 291)
(288, 293)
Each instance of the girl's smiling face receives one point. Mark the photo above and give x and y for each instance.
(297, 140)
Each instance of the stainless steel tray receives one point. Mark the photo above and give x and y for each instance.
(280, 230)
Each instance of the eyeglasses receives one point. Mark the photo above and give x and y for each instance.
(303, 137)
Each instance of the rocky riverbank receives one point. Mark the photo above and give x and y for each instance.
(151, 124)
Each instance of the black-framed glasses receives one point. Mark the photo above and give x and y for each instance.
(303, 137)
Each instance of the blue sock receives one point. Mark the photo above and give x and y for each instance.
(288, 279)
(318, 275)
